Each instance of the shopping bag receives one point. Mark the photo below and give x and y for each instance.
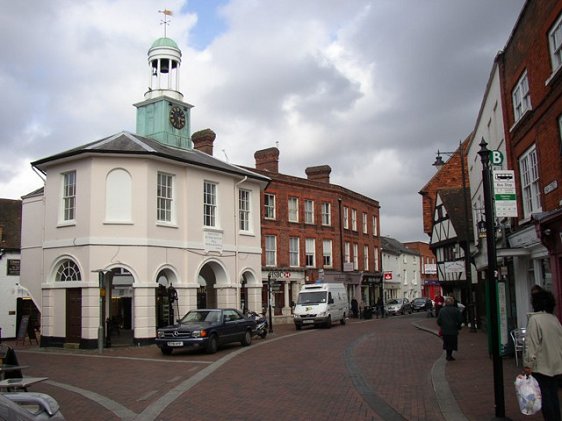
(528, 394)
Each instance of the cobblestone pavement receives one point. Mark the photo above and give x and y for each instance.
(391, 369)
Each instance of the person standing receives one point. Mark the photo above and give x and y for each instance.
(439, 301)
(543, 351)
(450, 322)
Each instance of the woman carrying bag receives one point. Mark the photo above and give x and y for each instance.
(543, 352)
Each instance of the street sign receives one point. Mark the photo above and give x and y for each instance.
(505, 199)
(496, 158)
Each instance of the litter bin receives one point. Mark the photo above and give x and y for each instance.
(367, 313)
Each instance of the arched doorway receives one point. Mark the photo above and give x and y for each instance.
(119, 321)
(167, 308)
(207, 294)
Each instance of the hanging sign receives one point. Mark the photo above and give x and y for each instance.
(505, 199)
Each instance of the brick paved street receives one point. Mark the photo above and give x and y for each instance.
(367, 370)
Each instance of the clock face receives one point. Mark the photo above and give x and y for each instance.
(177, 117)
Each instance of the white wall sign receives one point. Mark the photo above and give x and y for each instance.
(454, 266)
(213, 241)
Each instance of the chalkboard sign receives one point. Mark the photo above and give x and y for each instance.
(22, 331)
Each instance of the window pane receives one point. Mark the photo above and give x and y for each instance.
(209, 204)
(244, 209)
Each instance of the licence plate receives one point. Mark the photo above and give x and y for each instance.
(175, 344)
(308, 321)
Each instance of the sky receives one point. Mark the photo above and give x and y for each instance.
(371, 88)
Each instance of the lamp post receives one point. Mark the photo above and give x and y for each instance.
(103, 275)
(491, 283)
(269, 281)
(471, 308)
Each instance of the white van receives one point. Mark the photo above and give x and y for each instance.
(321, 304)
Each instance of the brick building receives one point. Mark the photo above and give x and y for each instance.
(448, 176)
(531, 75)
(316, 231)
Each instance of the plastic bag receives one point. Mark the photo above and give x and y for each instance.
(528, 394)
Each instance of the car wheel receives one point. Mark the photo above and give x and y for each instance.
(298, 327)
(263, 334)
(329, 322)
(342, 321)
(166, 350)
(212, 345)
(247, 338)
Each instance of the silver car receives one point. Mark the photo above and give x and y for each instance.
(398, 306)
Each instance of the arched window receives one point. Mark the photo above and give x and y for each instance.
(118, 198)
(68, 271)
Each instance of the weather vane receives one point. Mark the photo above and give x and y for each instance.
(166, 21)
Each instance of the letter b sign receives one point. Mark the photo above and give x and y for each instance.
(496, 157)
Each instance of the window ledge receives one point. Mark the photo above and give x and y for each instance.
(66, 224)
(117, 222)
(555, 73)
(521, 119)
(246, 233)
(166, 224)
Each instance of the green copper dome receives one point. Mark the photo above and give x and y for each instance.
(164, 42)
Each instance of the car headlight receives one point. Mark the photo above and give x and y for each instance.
(199, 333)
(322, 314)
(160, 334)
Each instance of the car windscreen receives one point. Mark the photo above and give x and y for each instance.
(394, 302)
(313, 297)
(201, 316)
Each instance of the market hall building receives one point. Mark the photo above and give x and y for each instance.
(153, 212)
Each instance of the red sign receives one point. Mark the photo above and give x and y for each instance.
(388, 276)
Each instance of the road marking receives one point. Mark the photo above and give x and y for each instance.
(147, 395)
(155, 408)
(375, 402)
(161, 360)
(118, 409)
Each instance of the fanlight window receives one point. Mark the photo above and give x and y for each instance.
(68, 271)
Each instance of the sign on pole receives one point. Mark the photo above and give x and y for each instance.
(505, 199)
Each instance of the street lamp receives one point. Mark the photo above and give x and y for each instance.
(269, 282)
(471, 309)
(491, 278)
(104, 276)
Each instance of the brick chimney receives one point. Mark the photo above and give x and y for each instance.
(267, 160)
(320, 173)
(203, 141)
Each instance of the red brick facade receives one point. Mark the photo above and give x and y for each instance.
(527, 52)
(318, 191)
(449, 176)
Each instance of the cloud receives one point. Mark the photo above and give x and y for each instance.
(371, 88)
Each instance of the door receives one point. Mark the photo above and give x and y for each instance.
(73, 315)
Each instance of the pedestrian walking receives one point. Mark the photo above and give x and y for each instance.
(380, 308)
(543, 351)
(439, 301)
(450, 322)
(355, 308)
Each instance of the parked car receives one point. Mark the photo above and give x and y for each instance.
(206, 329)
(398, 306)
(421, 304)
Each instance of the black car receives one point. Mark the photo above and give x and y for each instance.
(206, 329)
(421, 304)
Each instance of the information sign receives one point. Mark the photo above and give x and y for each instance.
(504, 193)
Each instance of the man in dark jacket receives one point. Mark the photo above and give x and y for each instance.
(450, 322)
